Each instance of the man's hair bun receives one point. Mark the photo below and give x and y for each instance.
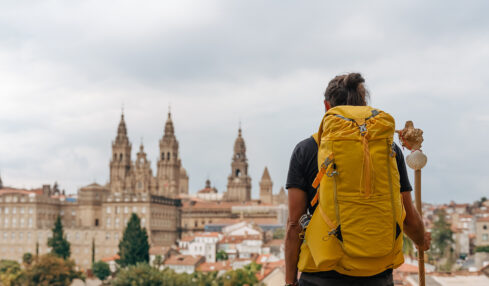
(352, 80)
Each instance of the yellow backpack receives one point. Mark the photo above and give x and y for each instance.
(356, 228)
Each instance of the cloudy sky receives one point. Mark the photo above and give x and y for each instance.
(67, 68)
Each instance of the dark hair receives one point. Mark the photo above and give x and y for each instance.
(347, 89)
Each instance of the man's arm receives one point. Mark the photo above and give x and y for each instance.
(413, 224)
(297, 207)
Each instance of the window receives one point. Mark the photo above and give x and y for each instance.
(485, 237)
(96, 222)
(126, 209)
(107, 235)
(5, 235)
(117, 210)
(22, 221)
(77, 235)
(21, 235)
(108, 222)
(62, 213)
(14, 210)
(6, 210)
(134, 209)
(117, 221)
(21, 210)
(143, 221)
(168, 156)
(117, 236)
(5, 222)
(12, 236)
(31, 210)
(108, 210)
(143, 210)
(73, 213)
(29, 235)
(14, 222)
(30, 222)
(484, 226)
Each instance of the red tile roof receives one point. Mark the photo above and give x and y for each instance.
(214, 266)
(184, 260)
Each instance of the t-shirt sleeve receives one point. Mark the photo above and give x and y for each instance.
(295, 176)
(401, 167)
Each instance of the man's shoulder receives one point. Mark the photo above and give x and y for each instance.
(306, 146)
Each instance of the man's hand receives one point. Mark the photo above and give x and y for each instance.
(426, 243)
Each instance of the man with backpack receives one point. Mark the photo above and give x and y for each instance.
(347, 216)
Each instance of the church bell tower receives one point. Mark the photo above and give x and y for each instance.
(239, 183)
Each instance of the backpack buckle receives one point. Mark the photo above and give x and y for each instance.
(363, 129)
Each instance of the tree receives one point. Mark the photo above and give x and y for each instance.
(10, 273)
(52, 270)
(58, 243)
(241, 277)
(221, 255)
(93, 250)
(134, 246)
(27, 259)
(279, 233)
(140, 274)
(407, 246)
(101, 270)
(158, 261)
(441, 235)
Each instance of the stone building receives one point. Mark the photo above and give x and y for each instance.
(239, 183)
(98, 214)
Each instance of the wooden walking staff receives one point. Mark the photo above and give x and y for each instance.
(411, 138)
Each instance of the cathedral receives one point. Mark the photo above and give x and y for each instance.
(127, 176)
(95, 218)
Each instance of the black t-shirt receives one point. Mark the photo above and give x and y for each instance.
(303, 169)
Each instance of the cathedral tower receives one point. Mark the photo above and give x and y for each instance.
(169, 165)
(266, 188)
(120, 165)
(143, 174)
(239, 183)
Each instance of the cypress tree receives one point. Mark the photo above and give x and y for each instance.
(134, 246)
(58, 243)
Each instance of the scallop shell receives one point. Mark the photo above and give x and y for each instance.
(416, 160)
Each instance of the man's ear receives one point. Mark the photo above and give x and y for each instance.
(327, 105)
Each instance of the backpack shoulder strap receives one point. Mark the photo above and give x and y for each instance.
(316, 137)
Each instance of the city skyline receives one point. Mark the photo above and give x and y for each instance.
(68, 68)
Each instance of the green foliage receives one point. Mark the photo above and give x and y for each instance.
(52, 270)
(141, 274)
(158, 261)
(134, 246)
(93, 250)
(101, 270)
(221, 255)
(27, 258)
(279, 233)
(441, 235)
(58, 243)
(482, 248)
(407, 246)
(10, 273)
(241, 277)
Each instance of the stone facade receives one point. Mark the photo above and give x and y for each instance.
(97, 214)
(239, 183)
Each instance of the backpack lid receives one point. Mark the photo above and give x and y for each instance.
(351, 111)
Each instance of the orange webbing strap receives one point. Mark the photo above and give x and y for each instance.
(326, 218)
(325, 166)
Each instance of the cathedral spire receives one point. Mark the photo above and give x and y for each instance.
(122, 132)
(169, 129)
